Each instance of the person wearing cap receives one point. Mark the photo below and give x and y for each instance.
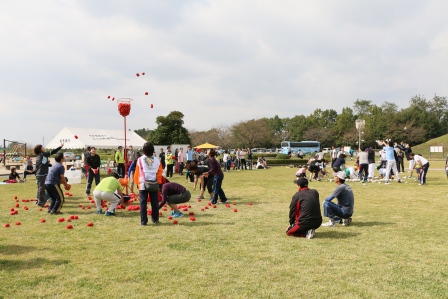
(344, 208)
(106, 190)
(304, 211)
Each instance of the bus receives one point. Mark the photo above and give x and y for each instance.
(307, 147)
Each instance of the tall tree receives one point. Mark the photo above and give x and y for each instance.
(252, 133)
(361, 108)
(170, 130)
(144, 133)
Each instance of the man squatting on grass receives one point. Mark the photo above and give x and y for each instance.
(106, 190)
(174, 194)
(52, 185)
(304, 211)
(344, 208)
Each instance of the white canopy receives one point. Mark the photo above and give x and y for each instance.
(98, 138)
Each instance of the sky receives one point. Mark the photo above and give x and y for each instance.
(217, 62)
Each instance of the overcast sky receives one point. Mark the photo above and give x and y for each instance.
(218, 62)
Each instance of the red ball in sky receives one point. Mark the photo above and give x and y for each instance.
(146, 93)
(143, 73)
(152, 106)
(108, 97)
(138, 75)
(76, 136)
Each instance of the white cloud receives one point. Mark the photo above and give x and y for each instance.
(218, 62)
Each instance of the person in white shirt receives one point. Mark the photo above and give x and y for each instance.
(242, 155)
(424, 165)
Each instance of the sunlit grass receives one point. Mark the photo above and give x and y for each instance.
(395, 247)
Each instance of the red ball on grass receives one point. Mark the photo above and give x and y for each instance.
(12, 209)
(18, 223)
(202, 209)
(209, 203)
(17, 205)
(235, 210)
(214, 206)
(7, 225)
(15, 197)
(90, 224)
(42, 220)
(61, 220)
(199, 200)
(191, 213)
(170, 217)
(69, 226)
(192, 219)
(175, 222)
(40, 209)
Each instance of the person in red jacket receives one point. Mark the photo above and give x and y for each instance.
(304, 211)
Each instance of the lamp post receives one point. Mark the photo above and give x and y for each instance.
(360, 123)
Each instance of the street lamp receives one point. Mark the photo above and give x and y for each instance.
(360, 123)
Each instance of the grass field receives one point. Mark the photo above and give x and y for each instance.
(396, 246)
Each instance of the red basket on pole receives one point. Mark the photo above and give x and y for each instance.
(124, 108)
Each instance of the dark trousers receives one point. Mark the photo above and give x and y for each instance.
(169, 170)
(57, 196)
(28, 173)
(243, 164)
(90, 179)
(41, 197)
(181, 168)
(120, 170)
(154, 199)
(300, 230)
(363, 168)
(423, 172)
(400, 165)
(217, 189)
(189, 174)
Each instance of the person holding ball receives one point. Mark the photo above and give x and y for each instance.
(53, 185)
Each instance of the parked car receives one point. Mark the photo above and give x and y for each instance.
(326, 150)
(69, 156)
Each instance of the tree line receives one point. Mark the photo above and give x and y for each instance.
(423, 119)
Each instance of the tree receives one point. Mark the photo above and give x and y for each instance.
(361, 108)
(144, 133)
(170, 130)
(345, 121)
(252, 133)
(324, 135)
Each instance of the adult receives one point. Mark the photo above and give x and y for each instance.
(42, 164)
(424, 166)
(339, 163)
(333, 155)
(391, 161)
(94, 163)
(363, 164)
(119, 158)
(218, 177)
(105, 190)
(180, 160)
(400, 160)
(148, 169)
(131, 155)
(300, 154)
(53, 185)
(131, 170)
(198, 171)
(250, 158)
(407, 152)
(371, 160)
(169, 161)
(226, 160)
(320, 155)
(304, 211)
(242, 155)
(174, 194)
(189, 153)
(86, 155)
(344, 208)
(236, 161)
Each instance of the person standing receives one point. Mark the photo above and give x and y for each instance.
(243, 159)
(131, 170)
(94, 163)
(169, 161)
(149, 168)
(86, 155)
(424, 166)
(176, 160)
(391, 161)
(119, 158)
(180, 159)
(333, 155)
(131, 155)
(400, 160)
(174, 194)
(249, 158)
(42, 164)
(53, 185)
(407, 152)
(344, 208)
(371, 160)
(363, 164)
(105, 190)
(218, 177)
(189, 153)
(304, 211)
(162, 158)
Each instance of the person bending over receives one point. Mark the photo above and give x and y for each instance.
(174, 194)
(106, 190)
(304, 211)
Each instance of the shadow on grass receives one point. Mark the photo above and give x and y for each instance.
(371, 223)
(15, 249)
(335, 234)
(30, 263)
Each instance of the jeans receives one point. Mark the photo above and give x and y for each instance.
(154, 199)
(243, 164)
(334, 211)
(90, 179)
(41, 197)
(217, 189)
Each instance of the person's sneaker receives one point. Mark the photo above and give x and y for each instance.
(409, 177)
(99, 211)
(399, 181)
(109, 214)
(346, 222)
(223, 201)
(171, 213)
(310, 234)
(178, 214)
(200, 197)
(387, 183)
(56, 213)
(330, 223)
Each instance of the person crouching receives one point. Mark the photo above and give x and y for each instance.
(106, 190)
(174, 194)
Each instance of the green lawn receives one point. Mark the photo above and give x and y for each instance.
(395, 248)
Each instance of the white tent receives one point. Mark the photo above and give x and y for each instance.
(98, 138)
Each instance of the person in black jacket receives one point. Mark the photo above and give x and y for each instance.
(42, 164)
(94, 163)
(304, 211)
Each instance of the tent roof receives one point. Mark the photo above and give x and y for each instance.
(206, 145)
(98, 138)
